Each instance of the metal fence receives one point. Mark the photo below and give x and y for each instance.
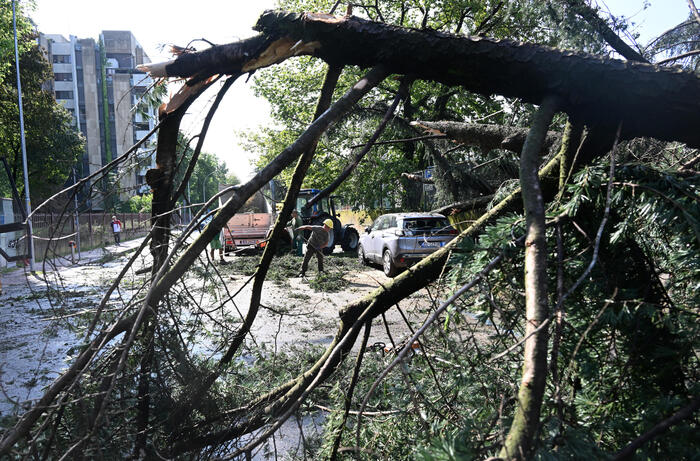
(94, 231)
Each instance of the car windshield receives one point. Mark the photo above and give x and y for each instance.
(426, 224)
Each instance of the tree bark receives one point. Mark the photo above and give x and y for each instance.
(479, 202)
(518, 444)
(652, 101)
(570, 142)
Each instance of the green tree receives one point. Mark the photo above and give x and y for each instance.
(140, 203)
(7, 43)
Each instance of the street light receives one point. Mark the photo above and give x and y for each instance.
(30, 240)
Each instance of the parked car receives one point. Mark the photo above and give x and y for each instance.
(398, 240)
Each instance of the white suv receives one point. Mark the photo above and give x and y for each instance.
(397, 240)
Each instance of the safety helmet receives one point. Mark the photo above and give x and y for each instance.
(329, 223)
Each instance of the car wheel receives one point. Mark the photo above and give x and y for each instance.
(351, 239)
(361, 255)
(388, 264)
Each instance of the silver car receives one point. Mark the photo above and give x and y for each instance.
(397, 240)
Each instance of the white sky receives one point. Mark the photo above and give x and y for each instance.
(156, 22)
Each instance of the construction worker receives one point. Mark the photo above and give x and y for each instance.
(317, 242)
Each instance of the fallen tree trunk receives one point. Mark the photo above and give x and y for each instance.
(653, 101)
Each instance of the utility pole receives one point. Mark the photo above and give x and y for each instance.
(30, 240)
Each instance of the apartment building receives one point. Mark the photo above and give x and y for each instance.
(97, 81)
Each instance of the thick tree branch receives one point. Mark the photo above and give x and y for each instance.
(518, 443)
(679, 57)
(479, 202)
(485, 136)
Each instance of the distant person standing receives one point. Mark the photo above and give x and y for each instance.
(215, 244)
(295, 223)
(317, 242)
(116, 230)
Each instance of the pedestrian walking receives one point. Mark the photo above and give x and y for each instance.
(116, 230)
(317, 242)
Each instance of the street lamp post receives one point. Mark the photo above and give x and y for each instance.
(30, 240)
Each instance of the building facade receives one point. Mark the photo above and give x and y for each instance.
(97, 82)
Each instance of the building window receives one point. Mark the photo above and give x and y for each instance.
(61, 59)
(63, 77)
(64, 95)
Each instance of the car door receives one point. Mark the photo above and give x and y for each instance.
(389, 237)
(375, 239)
